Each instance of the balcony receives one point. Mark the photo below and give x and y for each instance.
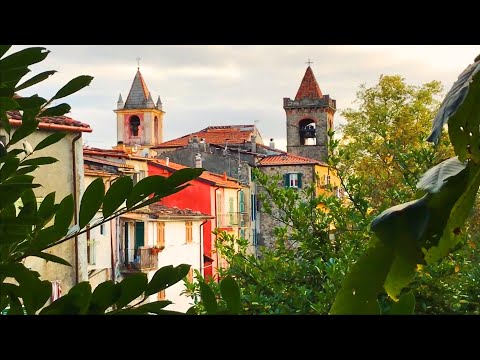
(230, 219)
(143, 259)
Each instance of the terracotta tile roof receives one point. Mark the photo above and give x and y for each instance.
(52, 122)
(162, 210)
(236, 134)
(105, 152)
(309, 87)
(288, 159)
(212, 178)
(90, 170)
(106, 162)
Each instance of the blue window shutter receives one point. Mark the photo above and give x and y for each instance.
(286, 178)
(299, 179)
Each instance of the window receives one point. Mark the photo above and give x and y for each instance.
(141, 175)
(254, 206)
(161, 295)
(189, 232)
(91, 255)
(134, 125)
(102, 229)
(293, 180)
(161, 234)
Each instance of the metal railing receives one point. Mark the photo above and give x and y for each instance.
(140, 259)
(240, 219)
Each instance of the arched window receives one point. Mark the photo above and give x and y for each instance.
(155, 130)
(134, 124)
(307, 132)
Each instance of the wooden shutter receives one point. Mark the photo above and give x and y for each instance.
(189, 232)
(299, 180)
(160, 234)
(286, 179)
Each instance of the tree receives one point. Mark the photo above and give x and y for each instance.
(427, 228)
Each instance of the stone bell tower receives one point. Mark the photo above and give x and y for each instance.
(309, 118)
(139, 119)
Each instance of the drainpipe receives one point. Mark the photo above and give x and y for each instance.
(201, 246)
(112, 254)
(238, 212)
(75, 201)
(216, 223)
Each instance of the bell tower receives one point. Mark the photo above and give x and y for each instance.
(309, 118)
(139, 119)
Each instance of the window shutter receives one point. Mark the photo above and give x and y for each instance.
(299, 180)
(286, 178)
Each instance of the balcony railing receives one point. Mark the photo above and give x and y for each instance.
(141, 259)
(240, 219)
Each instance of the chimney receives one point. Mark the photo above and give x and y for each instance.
(253, 141)
(203, 145)
(272, 144)
(195, 142)
(224, 176)
(198, 160)
(167, 161)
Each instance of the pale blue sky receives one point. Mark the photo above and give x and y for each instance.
(234, 84)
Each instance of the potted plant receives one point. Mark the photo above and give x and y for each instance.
(156, 249)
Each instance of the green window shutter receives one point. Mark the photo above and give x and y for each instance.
(299, 180)
(286, 178)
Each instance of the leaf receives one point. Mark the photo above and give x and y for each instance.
(404, 306)
(23, 131)
(52, 258)
(116, 195)
(184, 175)
(91, 201)
(208, 298)
(73, 86)
(146, 187)
(154, 307)
(33, 102)
(23, 58)
(46, 210)
(166, 277)
(26, 170)
(76, 302)
(64, 215)
(35, 80)
(50, 140)
(453, 100)
(58, 110)
(433, 180)
(11, 77)
(43, 160)
(7, 103)
(15, 306)
(4, 49)
(231, 294)
(364, 281)
(132, 287)
(104, 296)
(402, 273)
(9, 168)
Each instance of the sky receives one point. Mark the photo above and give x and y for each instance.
(206, 85)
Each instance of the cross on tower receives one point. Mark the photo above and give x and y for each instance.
(138, 62)
(309, 62)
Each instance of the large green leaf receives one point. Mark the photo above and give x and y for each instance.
(104, 296)
(4, 49)
(155, 307)
(116, 195)
(166, 277)
(132, 287)
(364, 281)
(26, 170)
(23, 58)
(231, 294)
(7, 103)
(453, 100)
(76, 302)
(404, 306)
(433, 180)
(51, 257)
(73, 86)
(208, 298)
(58, 110)
(43, 160)
(92, 199)
(146, 187)
(50, 140)
(33, 103)
(35, 80)
(182, 176)
(64, 215)
(47, 208)
(23, 131)
(10, 79)
(9, 168)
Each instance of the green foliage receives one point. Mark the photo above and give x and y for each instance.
(27, 229)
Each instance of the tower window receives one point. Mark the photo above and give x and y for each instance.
(307, 132)
(134, 125)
